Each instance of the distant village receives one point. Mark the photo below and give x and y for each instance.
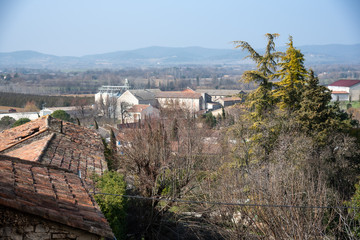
(46, 164)
(131, 105)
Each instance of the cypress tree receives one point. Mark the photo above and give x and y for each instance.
(96, 124)
(292, 73)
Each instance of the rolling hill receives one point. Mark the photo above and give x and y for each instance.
(167, 56)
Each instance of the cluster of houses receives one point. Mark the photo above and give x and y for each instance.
(131, 105)
(134, 104)
(46, 164)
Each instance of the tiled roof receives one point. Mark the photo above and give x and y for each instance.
(51, 193)
(345, 83)
(13, 136)
(188, 93)
(143, 94)
(31, 151)
(339, 92)
(219, 92)
(231, 99)
(138, 108)
(62, 144)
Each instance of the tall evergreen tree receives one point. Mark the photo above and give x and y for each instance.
(292, 74)
(261, 100)
(316, 115)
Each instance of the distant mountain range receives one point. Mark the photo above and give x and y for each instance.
(167, 56)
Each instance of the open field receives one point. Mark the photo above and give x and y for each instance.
(77, 95)
(6, 108)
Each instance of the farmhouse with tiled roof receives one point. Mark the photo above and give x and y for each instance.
(345, 90)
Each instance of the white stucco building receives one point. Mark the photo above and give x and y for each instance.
(187, 99)
(345, 90)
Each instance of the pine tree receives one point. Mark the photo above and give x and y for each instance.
(292, 73)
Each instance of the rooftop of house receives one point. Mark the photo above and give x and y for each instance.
(231, 99)
(345, 83)
(52, 193)
(138, 108)
(219, 92)
(62, 144)
(187, 93)
(339, 92)
(143, 94)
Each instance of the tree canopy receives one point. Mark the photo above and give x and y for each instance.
(261, 100)
(61, 114)
(21, 121)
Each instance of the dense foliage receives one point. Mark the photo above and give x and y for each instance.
(61, 114)
(113, 207)
(21, 121)
(267, 169)
(6, 122)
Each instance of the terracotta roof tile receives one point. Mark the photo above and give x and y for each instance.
(231, 99)
(138, 108)
(31, 151)
(62, 144)
(339, 92)
(187, 93)
(51, 193)
(13, 136)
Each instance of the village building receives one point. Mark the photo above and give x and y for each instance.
(139, 96)
(229, 101)
(142, 111)
(187, 99)
(345, 90)
(74, 111)
(106, 92)
(18, 115)
(217, 94)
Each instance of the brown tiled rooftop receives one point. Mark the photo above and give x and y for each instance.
(16, 135)
(345, 83)
(62, 144)
(52, 193)
(138, 108)
(231, 99)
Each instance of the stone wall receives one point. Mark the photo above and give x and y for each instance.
(16, 225)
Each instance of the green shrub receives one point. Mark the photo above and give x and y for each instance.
(7, 121)
(61, 114)
(113, 207)
(21, 121)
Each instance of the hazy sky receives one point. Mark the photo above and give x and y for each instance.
(80, 27)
